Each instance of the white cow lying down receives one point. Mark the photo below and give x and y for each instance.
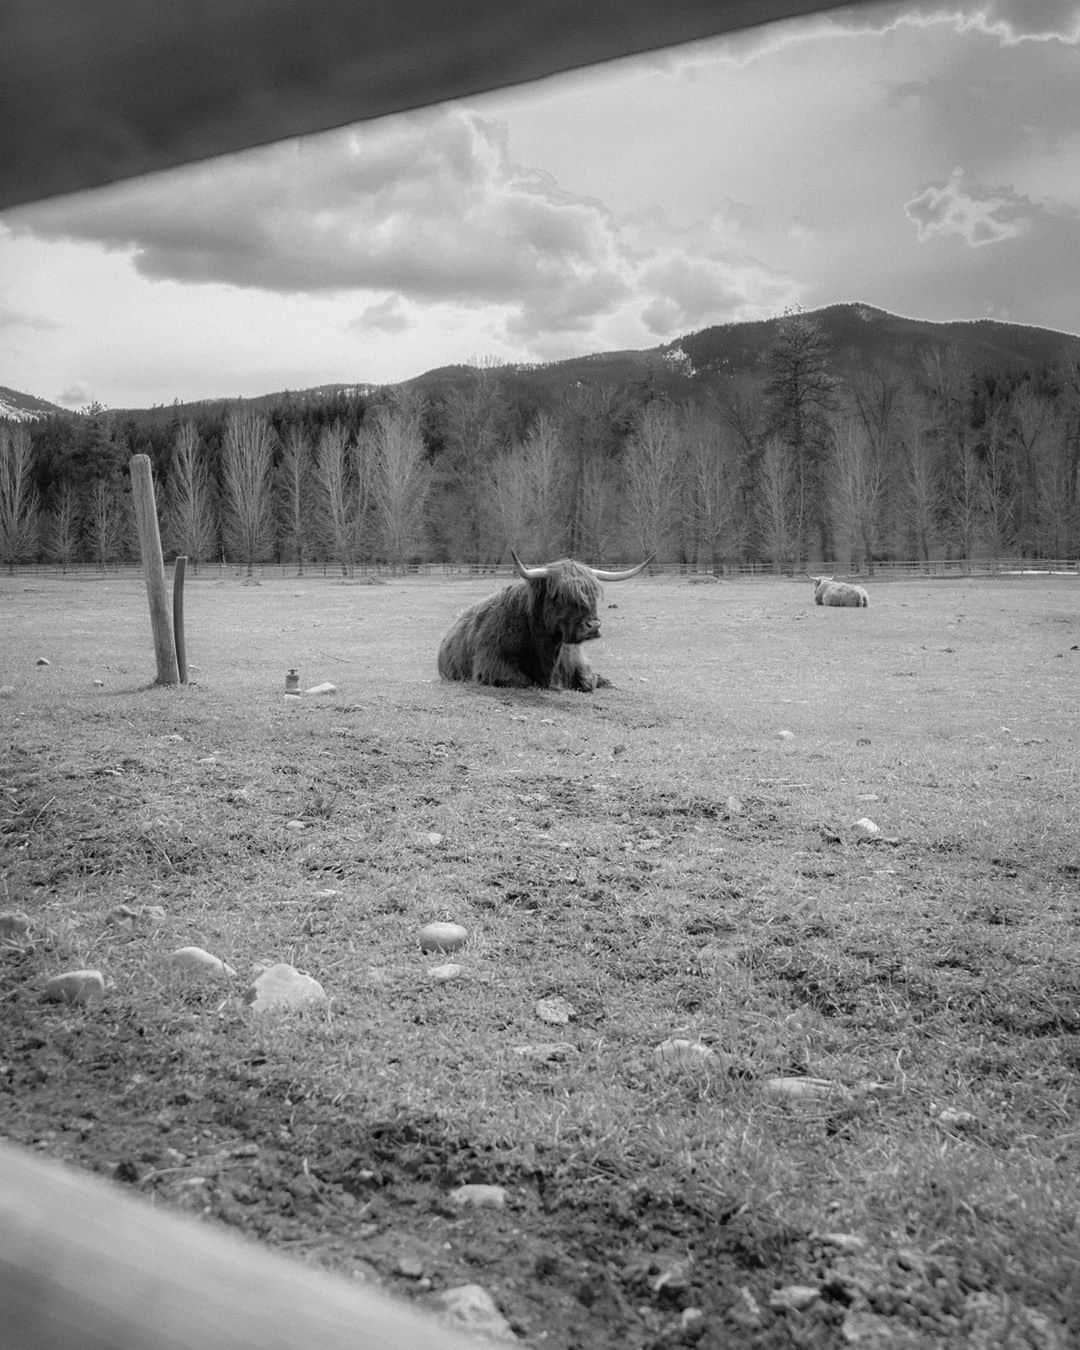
(827, 591)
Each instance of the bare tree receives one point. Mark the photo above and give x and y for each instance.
(591, 418)
(295, 475)
(997, 483)
(246, 467)
(651, 468)
(529, 485)
(742, 408)
(19, 503)
(189, 526)
(711, 478)
(778, 502)
(1055, 488)
(857, 473)
(400, 477)
(344, 486)
(510, 498)
(920, 493)
(108, 521)
(475, 430)
(595, 510)
(63, 521)
(1030, 420)
(962, 496)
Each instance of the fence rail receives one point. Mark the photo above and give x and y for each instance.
(881, 571)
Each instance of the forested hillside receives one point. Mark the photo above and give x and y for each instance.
(845, 436)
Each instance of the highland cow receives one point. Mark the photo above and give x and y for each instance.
(828, 591)
(530, 633)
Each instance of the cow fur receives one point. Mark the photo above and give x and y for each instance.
(828, 591)
(529, 634)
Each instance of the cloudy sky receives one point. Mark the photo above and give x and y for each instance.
(925, 159)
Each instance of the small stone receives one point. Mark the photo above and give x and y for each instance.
(680, 1051)
(295, 825)
(442, 937)
(847, 1243)
(734, 808)
(793, 1297)
(76, 986)
(433, 837)
(867, 1331)
(813, 1089)
(440, 974)
(478, 1195)
(785, 734)
(548, 1052)
(283, 986)
(952, 1118)
(692, 1323)
(555, 1010)
(196, 961)
(410, 1266)
(471, 1307)
(865, 829)
(43, 661)
(745, 1312)
(325, 688)
(7, 691)
(99, 684)
(13, 926)
(175, 738)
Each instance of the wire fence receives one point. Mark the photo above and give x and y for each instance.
(954, 568)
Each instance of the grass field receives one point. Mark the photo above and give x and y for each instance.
(659, 856)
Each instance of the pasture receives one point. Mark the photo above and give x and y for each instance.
(657, 855)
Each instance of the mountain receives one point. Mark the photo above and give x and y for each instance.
(17, 407)
(858, 335)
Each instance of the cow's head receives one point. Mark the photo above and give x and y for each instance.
(568, 594)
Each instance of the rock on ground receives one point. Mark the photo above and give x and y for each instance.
(283, 986)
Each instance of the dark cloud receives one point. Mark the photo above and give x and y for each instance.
(429, 207)
(388, 316)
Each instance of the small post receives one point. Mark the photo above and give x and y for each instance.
(178, 616)
(142, 491)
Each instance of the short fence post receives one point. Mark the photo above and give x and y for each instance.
(142, 491)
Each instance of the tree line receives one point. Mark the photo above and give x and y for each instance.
(788, 464)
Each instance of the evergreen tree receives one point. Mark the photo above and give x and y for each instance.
(801, 397)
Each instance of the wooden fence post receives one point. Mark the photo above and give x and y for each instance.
(179, 572)
(83, 1264)
(142, 491)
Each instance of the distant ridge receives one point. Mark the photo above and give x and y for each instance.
(19, 407)
(858, 335)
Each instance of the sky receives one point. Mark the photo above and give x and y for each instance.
(921, 158)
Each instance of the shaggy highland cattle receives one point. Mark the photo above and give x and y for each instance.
(827, 591)
(529, 634)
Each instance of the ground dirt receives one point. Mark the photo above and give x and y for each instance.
(654, 853)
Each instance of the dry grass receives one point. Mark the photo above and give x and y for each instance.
(589, 847)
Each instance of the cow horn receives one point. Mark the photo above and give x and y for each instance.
(529, 573)
(621, 576)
